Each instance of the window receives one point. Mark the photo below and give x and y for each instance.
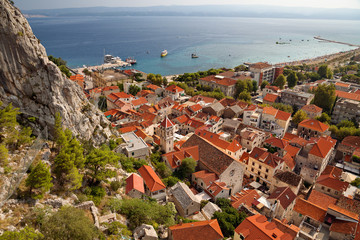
(267, 170)
(132, 153)
(266, 176)
(252, 169)
(328, 190)
(253, 163)
(259, 166)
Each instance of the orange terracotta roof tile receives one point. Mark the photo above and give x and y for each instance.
(276, 142)
(321, 199)
(309, 209)
(245, 197)
(204, 230)
(134, 182)
(214, 139)
(314, 125)
(347, 95)
(330, 178)
(127, 129)
(322, 147)
(293, 151)
(281, 115)
(270, 110)
(345, 227)
(206, 176)
(195, 108)
(289, 136)
(270, 98)
(215, 188)
(175, 158)
(268, 158)
(122, 95)
(344, 212)
(257, 227)
(139, 101)
(290, 229)
(174, 89)
(340, 84)
(221, 81)
(260, 65)
(167, 123)
(153, 87)
(289, 161)
(234, 146)
(152, 181)
(312, 108)
(199, 98)
(284, 195)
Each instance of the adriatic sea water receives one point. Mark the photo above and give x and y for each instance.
(218, 41)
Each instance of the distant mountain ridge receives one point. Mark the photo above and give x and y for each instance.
(256, 11)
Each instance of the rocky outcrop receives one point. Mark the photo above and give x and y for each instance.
(32, 83)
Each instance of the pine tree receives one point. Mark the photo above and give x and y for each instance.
(299, 117)
(280, 81)
(59, 135)
(292, 79)
(39, 180)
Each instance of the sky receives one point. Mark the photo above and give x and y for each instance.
(53, 4)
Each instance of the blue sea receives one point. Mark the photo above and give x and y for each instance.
(218, 41)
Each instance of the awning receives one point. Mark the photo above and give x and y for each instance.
(255, 185)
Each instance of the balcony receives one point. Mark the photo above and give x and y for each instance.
(309, 229)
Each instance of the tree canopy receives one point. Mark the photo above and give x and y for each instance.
(264, 84)
(133, 90)
(325, 72)
(280, 81)
(69, 223)
(186, 168)
(325, 97)
(299, 117)
(292, 79)
(39, 180)
(245, 96)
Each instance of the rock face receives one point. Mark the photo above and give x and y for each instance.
(34, 84)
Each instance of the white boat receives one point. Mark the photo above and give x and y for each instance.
(164, 53)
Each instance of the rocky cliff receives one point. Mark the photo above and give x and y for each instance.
(35, 85)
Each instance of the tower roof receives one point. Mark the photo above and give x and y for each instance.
(167, 123)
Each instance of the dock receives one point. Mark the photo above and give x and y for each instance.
(333, 41)
(104, 66)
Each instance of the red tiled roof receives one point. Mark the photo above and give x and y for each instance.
(257, 227)
(345, 227)
(289, 161)
(260, 65)
(174, 89)
(344, 212)
(284, 227)
(330, 178)
(215, 188)
(144, 93)
(321, 199)
(340, 84)
(134, 182)
(152, 87)
(284, 195)
(274, 88)
(139, 101)
(234, 146)
(347, 95)
(221, 81)
(121, 95)
(312, 108)
(167, 123)
(109, 88)
(195, 108)
(199, 98)
(127, 129)
(266, 157)
(214, 139)
(270, 111)
(289, 136)
(276, 142)
(281, 115)
(314, 125)
(291, 150)
(246, 197)
(207, 177)
(353, 141)
(204, 230)
(270, 97)
(310, 209)
(322, 147)
(152, 181)
(175, 158)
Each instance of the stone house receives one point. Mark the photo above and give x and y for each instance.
(185, 201)
(286, 179)
(268, 89)
(312, 111)
(282, 201)
(251, 138)
(203, 230)
(349, 147)
(133, 146)
(294, 98)
(271, 98)
(215, 109)
(213, 159)
(135, 186)
(226, 85)
(174, 159)
(314, 157)
(252, 116)
(312, 128)
(154, 187)
(275, 121)
(174, 92)
(330, 183)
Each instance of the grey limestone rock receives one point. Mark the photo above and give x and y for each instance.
(34, 84)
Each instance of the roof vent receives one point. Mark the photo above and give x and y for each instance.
(219, 77)
(274, 235)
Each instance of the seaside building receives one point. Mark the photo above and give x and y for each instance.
(295, 98)
(345, 109)
(263, 71)
(226, 85)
